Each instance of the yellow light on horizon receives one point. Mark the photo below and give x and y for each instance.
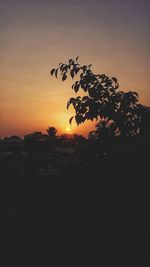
(68, 129)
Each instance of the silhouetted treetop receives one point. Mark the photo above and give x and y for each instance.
(106, 131)
(51, 132)
(102, 99)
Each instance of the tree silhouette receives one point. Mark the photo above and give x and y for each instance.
(105, 131)
(102, 100)
(51, 132)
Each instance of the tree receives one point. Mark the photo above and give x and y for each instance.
(102, 100)
(36, 142)
(79, 139)
(51, 132)
(106, 131)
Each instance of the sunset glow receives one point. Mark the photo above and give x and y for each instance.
(113, 35)
(68, 129)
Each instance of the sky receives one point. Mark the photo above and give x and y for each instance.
(36, 35)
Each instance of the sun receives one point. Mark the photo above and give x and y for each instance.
(68, 129)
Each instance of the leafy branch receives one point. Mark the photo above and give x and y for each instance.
(102, 99)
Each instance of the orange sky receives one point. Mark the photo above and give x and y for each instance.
(37, 35)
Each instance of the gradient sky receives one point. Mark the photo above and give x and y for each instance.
(35, 35)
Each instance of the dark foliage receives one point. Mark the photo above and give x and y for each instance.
(72, 201)
(51, 131)
(90, 205)
(102, 100)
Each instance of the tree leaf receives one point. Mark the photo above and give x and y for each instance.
(79, 119)
(84, 68)
(72, 73)
(61, 67)
(56, 72)
(85, 98)
(68, 104)
(135, 93)
(76, 69)
(70, 120)
(71, 100)
(52, 72)
(70, 61)
(64, 77)
(76, 87)
(114, 79)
